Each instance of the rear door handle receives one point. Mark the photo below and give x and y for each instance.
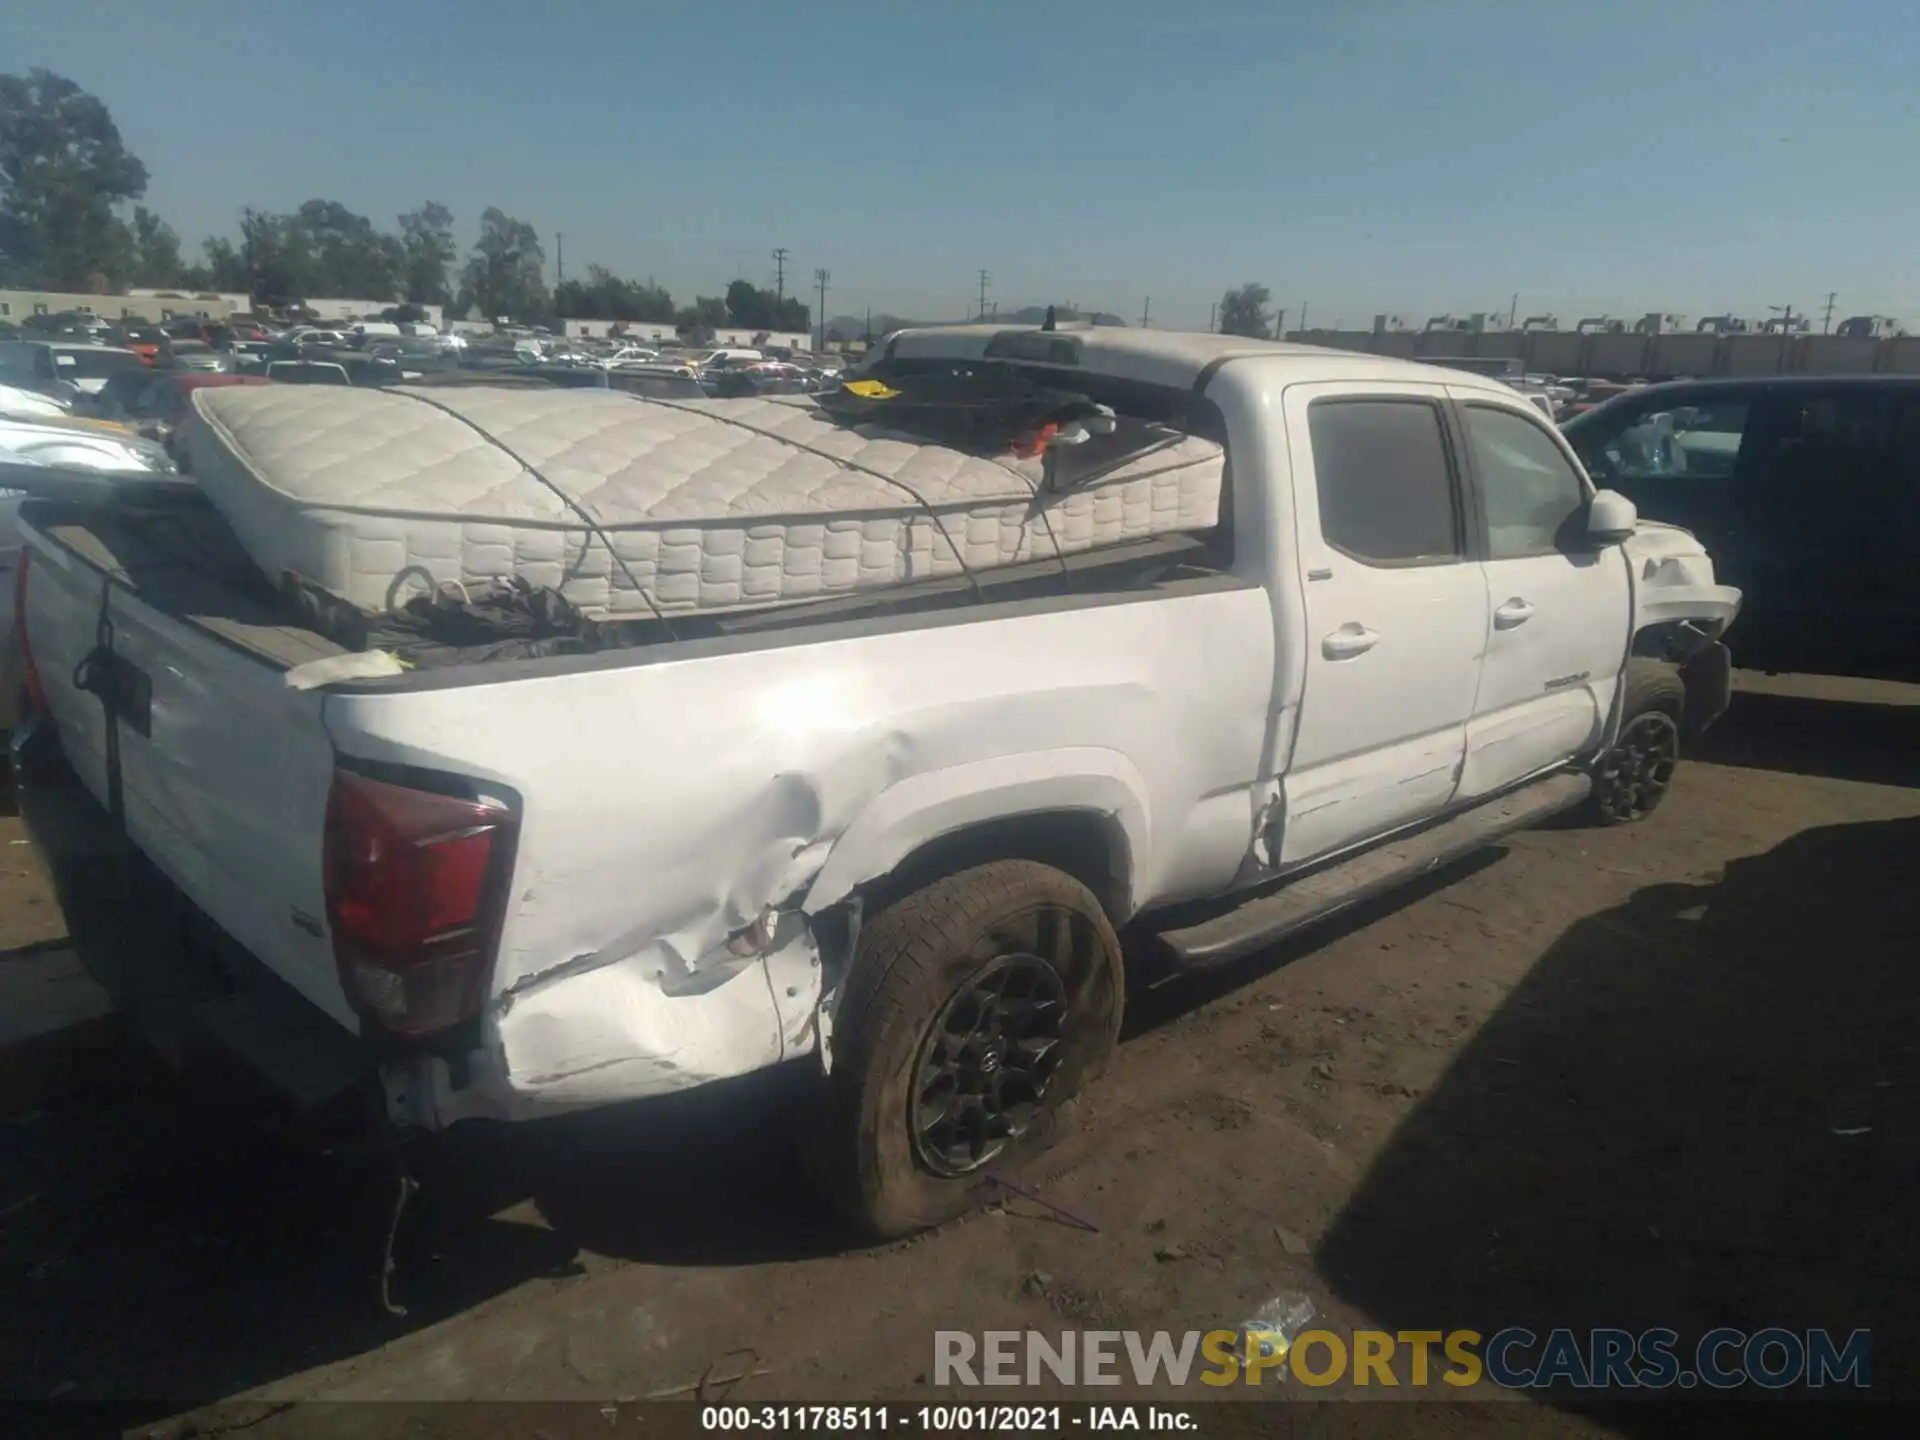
(1349, 640)
(1515, 612)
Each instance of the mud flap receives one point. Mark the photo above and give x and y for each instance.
(1708, 676)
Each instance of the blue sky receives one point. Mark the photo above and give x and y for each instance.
(1360, 156)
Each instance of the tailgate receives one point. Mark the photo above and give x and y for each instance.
(223, 771)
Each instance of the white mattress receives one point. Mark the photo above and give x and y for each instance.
(710, 504)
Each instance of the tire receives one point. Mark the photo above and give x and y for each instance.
(1026, 933)
(1634, 774)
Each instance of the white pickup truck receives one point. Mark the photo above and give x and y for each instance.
(900, 833)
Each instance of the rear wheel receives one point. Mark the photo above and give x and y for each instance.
(1633, 775)
(975, 1009)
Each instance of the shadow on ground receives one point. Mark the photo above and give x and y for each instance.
(1700, 1109)
(1863, 740)
(180, 1244)
(1644, 1135)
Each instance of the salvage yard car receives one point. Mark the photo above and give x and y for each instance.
(1805, 488)
(62, 369)
(887, 714)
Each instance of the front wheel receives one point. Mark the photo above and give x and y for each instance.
(974, 1010)
(1632, 776)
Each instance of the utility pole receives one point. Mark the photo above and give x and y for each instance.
(1513, 309)
(1146, 311)
(1280, 323)
(1826, 324)
(560, 258)
(780, 274)
(1303, 316)
(1785, 313)
(820, 278)
(1213, 312)
(984, 277)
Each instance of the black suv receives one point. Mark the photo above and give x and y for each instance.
(1805, 491)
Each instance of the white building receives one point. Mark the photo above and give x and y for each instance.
(641, 332)
(338, 311)
(149, 305)
(651, 332)
(329, 311)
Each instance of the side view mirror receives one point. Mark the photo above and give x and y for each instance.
(1611, 517)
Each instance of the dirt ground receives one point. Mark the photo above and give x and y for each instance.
(1662, 1075)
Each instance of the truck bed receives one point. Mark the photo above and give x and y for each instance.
(181, 557)
(758, 759)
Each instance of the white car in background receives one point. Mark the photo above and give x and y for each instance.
(19, 404)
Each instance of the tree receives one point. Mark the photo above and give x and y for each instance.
(345, 255)
(63, 169)
(225, 269)
(605, 296)
(428, 251)
(698, 321)
(1244, 312)
(751, 308)
(505, 275)
(156, 251)
(276, 259)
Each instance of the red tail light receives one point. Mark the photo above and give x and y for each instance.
(416, 885)
(29, 673)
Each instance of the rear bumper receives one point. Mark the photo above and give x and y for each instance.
(177, 981)
(1708, 676)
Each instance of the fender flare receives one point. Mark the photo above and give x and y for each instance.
(936, 803)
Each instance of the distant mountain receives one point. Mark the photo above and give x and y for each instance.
(854, 327)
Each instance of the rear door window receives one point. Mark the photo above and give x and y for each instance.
(1820, 494)
(1385, 481)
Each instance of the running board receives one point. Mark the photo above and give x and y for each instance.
(1261, 921)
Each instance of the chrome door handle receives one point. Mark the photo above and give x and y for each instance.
(1349, 640)
(1514, 612)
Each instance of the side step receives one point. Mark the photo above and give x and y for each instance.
(1261, 921)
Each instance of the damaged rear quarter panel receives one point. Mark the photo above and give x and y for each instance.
(668, 804)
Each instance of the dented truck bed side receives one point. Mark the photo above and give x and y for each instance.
(670, 807)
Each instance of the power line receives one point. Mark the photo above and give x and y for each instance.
(780, 274)
(820, 278)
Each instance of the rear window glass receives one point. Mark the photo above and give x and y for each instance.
(97, 364)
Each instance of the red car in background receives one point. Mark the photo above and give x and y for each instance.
(145, 341)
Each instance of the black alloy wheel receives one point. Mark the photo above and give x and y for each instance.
(1634, 776)
(987, 1059)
